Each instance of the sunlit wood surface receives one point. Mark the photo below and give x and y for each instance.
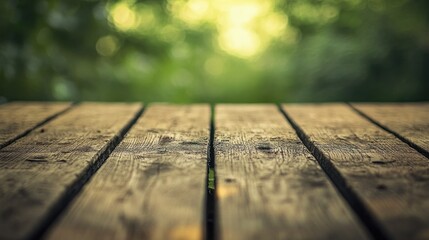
(226, 171)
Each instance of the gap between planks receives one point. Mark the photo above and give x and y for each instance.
(37, 206)
(37, 125)
(267, 181)
(210, 198)
(388, 176)
(166, 154)
(359, 208)
(386, 128)
(333, 174)
(77, 186)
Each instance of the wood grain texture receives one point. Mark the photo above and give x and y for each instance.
(44, 167)
(153, 184)
(19, 118)
(269, 186)
(409, 121)
(387, 175)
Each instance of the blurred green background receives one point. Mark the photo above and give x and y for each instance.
(215, 50)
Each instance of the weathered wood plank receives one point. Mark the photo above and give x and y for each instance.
(41, 170)
(19, 118)
(408, 121)
(153, 184)
(269, 186)
(370, 165)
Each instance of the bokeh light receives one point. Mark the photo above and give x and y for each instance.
(214, 50)
(107, 45)
(124, 16)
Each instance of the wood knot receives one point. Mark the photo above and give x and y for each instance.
(229, 180)
(190, 143)
(165, 139)
(264, 147)
(380, 162)
(37, 159)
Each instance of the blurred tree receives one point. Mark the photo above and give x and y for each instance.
(207, 50)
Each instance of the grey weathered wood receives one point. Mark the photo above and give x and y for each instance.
(409, 121)
(153, 184)
(269, 186)
(390, 177)
(44, 167)
(19, 118)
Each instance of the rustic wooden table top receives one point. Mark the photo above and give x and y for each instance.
(232, 171)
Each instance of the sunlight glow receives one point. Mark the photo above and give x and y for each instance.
(123, 16)
(274, 24)
(241, 14)
(245, 27)
(239, 41)
(192, 12)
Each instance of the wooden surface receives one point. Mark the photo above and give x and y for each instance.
(19, 118)
(299, 171)
(42, 168)
(410, 122)
(268, 184)
(153, 185)
(370, 165)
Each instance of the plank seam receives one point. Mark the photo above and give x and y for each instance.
(43, 122)
(64, 201)
(210, 213)
(385, 128)
(364, 214)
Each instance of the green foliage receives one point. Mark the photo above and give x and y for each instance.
(214, 51)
